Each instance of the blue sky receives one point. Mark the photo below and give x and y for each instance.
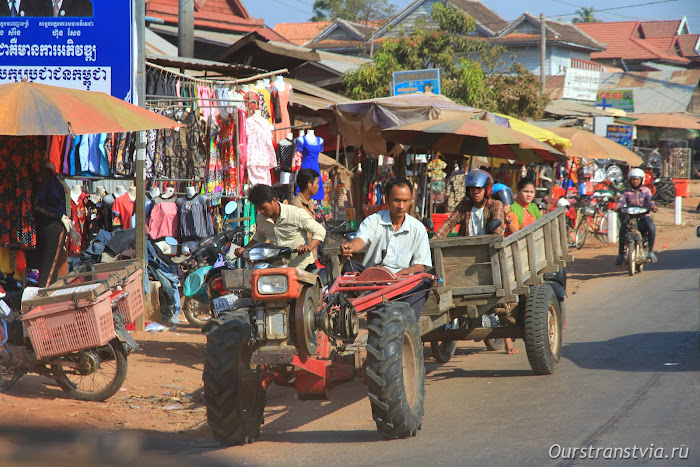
(288, 11)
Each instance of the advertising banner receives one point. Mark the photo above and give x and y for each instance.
(409, 82)
(616, 98)
(580, 84)
(621, 134)
(78, 44)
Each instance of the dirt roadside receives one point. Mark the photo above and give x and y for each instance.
(163, 391)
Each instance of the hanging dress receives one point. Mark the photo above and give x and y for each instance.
(310, 152)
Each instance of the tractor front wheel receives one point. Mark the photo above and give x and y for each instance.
(233, 396)
(395, 370)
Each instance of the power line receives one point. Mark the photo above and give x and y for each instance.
(614, 8)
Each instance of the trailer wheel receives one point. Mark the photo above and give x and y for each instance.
(443, 351)
(543, 329)
(495, 344)
(234, 399)
(395, 370)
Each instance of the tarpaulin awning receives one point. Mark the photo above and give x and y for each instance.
(538, 133)
(361, 122)
(332, 166)
(588, 145)
(675, 120)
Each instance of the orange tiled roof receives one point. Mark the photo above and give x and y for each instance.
(660, 28)
(215, 15)
(687, 43)
(622, 41)
(300, 33)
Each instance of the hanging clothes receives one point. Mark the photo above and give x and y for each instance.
(227, 153)
(310, 149)
(261, 152)
(122, 211)
(20, 160)
(215, 176)
(163, 221)
(242, 147)
(284, 94)
(285, 154)
(57, 151)
(194, 216)
(78, 215)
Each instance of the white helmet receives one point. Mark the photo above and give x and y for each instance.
(636, 173)
(563, 202)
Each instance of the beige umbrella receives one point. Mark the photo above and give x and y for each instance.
(591, 146)
(672, 120)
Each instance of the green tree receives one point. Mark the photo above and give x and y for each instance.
(359, 11)
(585, 15)
(473, 72)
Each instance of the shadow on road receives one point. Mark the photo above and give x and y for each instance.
(647, 352)
(676, 259)
(39, 446)
(443, 373)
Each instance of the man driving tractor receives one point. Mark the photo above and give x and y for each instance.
(636, 195)
(284, 226)
(396, 240)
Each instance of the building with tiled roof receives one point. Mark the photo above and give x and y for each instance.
(300, 33)
(227, 16)
(644, 45)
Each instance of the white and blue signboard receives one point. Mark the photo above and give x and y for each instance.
(409, 82)
(79, 44)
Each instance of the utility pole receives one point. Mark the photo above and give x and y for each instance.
(543, 52)
(185, 29)
(139, 180)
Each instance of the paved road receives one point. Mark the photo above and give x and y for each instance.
(630, 375)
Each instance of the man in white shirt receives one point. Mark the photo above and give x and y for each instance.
(395, 240)
(283, 226)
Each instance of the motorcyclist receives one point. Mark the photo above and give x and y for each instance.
(636, 195)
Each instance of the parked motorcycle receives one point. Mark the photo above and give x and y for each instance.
(93, 374)
(637, 254)
(203, 267)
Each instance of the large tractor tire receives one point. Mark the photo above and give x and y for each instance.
(543, 329)
(395, 370)
(234, 399)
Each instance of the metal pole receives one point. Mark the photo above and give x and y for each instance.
(185, 29)
(543, 52)
(140, 182)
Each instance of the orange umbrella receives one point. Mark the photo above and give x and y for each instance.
(591, 146)
(675, 120)
(39, 109)
(473, 137)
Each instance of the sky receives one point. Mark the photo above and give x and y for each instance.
(297, 11)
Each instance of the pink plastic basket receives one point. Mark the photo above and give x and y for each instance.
(132, 306)
(60, 328)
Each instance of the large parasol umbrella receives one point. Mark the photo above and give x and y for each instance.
(540, 134)
(462, 136)
(674, 120)
(591, 146)
(39, 109)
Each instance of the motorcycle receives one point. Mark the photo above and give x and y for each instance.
(637, 254)
(93, 374)
(203, 267)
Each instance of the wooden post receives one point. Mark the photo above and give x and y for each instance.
(543, 52)
(140, 181)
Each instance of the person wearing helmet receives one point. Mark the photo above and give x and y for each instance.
(504, 194)
(636, 195)
(475, 211)
(524, 208)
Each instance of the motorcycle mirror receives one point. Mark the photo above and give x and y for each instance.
(428, 223)
(698, 231)
(186, 250)
(492, 225)
(171, 241)
(230, 207)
